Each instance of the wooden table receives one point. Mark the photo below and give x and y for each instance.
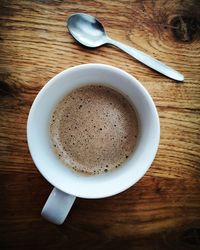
(162, 211)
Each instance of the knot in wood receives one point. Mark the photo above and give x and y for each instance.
(184, 28)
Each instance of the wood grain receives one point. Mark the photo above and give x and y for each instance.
(162, 210)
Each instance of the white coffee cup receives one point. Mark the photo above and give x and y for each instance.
(68, 184)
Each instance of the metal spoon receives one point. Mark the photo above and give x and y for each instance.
(88, 31)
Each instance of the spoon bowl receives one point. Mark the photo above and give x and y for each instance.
(87, 30)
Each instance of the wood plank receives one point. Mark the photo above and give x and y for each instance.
(44, 37)
(178, 155)
(153, 207)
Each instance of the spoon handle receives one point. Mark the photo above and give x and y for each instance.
(148, 60)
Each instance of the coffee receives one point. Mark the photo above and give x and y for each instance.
(94, 129)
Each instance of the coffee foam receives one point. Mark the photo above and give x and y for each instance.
(94, 129)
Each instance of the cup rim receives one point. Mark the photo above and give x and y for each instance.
(86, 66)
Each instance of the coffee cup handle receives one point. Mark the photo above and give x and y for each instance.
(57, 206)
